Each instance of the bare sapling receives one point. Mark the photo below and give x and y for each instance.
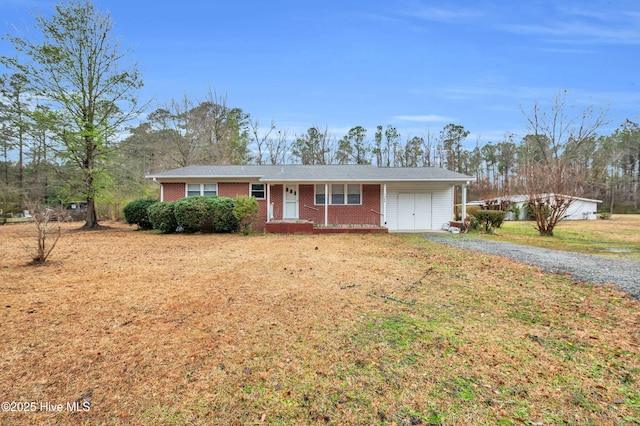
(48, 229)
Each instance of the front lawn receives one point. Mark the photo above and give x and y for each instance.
(617, 237)
(318, 329)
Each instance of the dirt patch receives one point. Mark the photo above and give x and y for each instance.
(286, 329)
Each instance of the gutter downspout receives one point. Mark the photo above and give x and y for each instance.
(161, 188)
(326, 204)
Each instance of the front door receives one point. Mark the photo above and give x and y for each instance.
(291, 202)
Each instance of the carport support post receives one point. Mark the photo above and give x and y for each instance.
(464, 201)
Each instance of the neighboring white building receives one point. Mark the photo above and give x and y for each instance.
(580, 209)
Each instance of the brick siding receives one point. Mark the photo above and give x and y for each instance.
(176, 191)
(173, 191)
(364, 214)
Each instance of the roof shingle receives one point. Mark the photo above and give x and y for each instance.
(316, 173)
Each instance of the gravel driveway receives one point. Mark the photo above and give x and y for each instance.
(624, 274)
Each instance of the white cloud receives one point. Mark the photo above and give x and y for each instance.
(585, 26)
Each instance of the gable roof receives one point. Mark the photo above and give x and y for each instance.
(315, 173)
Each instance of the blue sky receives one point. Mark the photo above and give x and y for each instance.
(414, 64)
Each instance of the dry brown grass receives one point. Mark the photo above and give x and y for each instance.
(335, 329)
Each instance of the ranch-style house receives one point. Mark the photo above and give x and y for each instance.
(407, 199)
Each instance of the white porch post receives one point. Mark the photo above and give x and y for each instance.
(269, 212)
(326, 204)
(384, 204)
(464, 201)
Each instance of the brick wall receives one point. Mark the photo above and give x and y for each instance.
(344, 214)
(277, 192)
(233, 189)
(176, 191)
(173, 191)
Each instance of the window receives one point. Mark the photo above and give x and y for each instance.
(207, 189)
(193, 189)
(257, 190)
(353, 194)
(210, 189)
(340, 194)
(320, 194)
(337, 194)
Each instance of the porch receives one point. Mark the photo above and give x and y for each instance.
(309, 227)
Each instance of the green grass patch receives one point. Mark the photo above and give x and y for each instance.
(618, 237)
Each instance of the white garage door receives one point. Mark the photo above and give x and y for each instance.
(414, 211)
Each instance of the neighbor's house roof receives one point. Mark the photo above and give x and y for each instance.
(522, 198)
(314, 173)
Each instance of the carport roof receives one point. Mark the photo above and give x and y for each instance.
(314, 173)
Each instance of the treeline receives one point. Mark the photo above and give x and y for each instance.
(209, 131)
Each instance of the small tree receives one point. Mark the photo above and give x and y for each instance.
(48, 230)
(489, 220)
(553, 178)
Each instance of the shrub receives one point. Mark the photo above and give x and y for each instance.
(162, 217)
(490, 219)
(135, 213)
(472, 210)
(516, 209)
(245, 212)
(223, 219)
(206, 214)
(191, 213)
(474, 223)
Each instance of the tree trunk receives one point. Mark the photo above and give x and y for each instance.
(91, 220)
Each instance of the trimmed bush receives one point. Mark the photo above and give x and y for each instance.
(162, 217)
(222, 218)
(246, 212)
(135, 213)
(206, 214)
(191, 213)
(490, 219)
(472, 210)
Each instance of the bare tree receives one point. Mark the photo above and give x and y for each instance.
(260, 139)
(206, 131)
(428, 149)
(48, 229)
(554, 177)
(278, 148)
(171, 128)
